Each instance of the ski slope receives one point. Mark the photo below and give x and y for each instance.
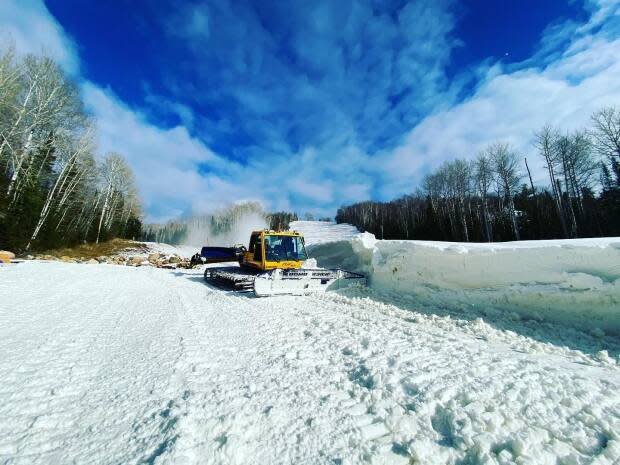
(103, 364)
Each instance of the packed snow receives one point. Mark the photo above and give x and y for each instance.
(574, 282)
(104, 364)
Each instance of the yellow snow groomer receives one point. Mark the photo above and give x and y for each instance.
(273, 263)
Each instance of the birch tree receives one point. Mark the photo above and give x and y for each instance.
(116, 181)
(71, 170)
(49, 102)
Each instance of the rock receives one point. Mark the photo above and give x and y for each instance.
(65, 258)
(174, 259)
(101, 259)
(6, 256)
(29, 257)
(92, 261)
(136, 261)
(154, 257)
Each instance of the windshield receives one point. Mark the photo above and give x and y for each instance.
(281, 248)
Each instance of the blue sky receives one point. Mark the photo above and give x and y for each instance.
(306, 106)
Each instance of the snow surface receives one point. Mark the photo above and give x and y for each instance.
(104, 364)
(575, 282)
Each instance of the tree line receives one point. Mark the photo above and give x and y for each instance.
(54, 191)
(494, 198)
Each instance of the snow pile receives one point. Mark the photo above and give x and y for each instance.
(575, 282)
(318, 232)
(185, 251)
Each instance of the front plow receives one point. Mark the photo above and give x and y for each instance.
(280, 282)
(303, 281)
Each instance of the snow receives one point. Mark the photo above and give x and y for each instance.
(110, 364)
(185, 251)
(317, 232)
(575, 282)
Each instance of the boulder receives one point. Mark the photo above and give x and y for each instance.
(67, 259)
(136, 261)
(153, 257)
(6, 256)
(174, 259)
(92, 261)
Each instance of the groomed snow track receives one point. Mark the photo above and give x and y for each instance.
(104, 365)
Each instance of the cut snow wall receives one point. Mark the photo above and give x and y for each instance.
(574, 282)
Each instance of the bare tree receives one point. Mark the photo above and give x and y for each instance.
(483, 174)
(116, 182)
(71, 172)
(10, 86)
(546, 142)
(505, 166)
(49, 102)
(606, 132)
(460, 175)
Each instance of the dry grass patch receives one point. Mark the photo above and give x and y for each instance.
(107, 249)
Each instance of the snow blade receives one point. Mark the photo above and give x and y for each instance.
(302, 281)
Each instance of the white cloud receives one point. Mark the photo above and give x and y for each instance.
(165, 162)
(30, 26)
(317, 191)
(510, 107)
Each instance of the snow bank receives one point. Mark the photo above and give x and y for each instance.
(576, 282)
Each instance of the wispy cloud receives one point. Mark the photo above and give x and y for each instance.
(165, 160)
(509, 105)
(29, 26)
(309, 106)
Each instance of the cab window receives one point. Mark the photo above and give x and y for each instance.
(253, 241)
(255, 248)
(283, 248)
